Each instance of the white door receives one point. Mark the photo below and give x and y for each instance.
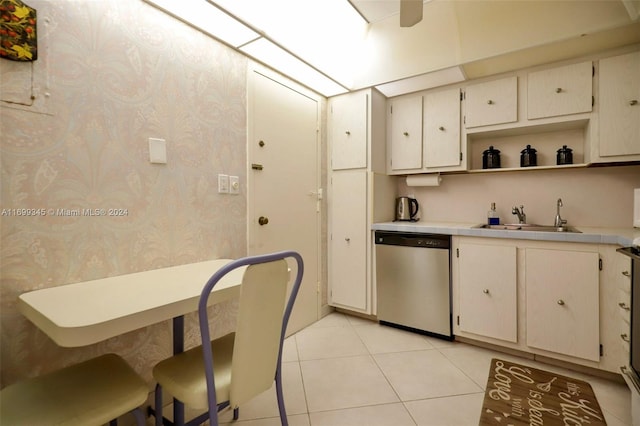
(283, 182)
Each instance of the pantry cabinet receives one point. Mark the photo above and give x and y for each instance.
(487, 287)
(619, 108)
(348, 243)
(491, 102)
(560, 91)
(562, 289)
(349, 131)
(442, 129)
(359, 194)
(405, 132)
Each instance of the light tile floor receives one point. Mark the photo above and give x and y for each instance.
(349, 371)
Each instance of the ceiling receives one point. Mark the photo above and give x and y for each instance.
(377, 10)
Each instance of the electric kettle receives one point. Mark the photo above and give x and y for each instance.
(406, 208)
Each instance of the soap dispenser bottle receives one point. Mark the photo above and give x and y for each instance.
(492, 215)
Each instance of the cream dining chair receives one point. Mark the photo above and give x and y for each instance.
(231, 370)
(93, 392)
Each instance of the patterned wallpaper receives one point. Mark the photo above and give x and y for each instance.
(112, 74)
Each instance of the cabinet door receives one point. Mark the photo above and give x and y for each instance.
(406, 133)
(620, 105)
(563, 302)
(493, 102)
(442, 129)
(488, 294)
(348, 123)
(348, 241)
(560, 91)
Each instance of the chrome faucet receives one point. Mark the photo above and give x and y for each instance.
(559, 222)
(522, 218)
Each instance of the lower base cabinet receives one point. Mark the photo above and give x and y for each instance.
(558, 300)
(488, 299)
(562, 292)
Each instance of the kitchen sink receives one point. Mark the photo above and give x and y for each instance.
(530, 227)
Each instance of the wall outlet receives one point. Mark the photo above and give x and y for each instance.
(234, 185)
(223, 184)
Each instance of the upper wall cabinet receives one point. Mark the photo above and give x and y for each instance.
(442, 129)
(560, 91)
(349, 131)
(406, 133)
(493, 102)
(620, 106)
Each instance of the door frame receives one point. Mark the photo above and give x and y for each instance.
(255, 67)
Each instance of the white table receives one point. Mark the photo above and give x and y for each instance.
(88, 312)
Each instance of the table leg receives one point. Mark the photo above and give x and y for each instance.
(178, 347)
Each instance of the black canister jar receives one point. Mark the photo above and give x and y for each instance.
(564, 156)
(528, 157)
(491, 158)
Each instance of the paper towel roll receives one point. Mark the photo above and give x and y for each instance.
(432, 179)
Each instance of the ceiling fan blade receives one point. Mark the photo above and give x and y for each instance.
(410, 12)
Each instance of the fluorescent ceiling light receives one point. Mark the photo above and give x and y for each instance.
(274, 56)
(209, 19)
(422, 82)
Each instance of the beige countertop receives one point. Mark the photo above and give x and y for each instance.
(619, 236)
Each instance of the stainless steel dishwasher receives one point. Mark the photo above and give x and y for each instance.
(413, 279)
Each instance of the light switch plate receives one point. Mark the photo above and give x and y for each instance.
(157, 151)
(234, 185)
(223, 184)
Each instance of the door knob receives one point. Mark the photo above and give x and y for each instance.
(263, 220)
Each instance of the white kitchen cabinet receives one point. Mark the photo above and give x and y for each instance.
(348, 124)
(619, 91)
(491, 102)
(562, 293)
(560, 91)
(348, 239)
(488, 291)
(405, 133)
(442, 147)
(358, 195)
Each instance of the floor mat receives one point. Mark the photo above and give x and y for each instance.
(521, 395)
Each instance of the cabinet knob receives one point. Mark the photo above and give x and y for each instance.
(347, 239)
(485, 291)
(624, 306)
(633, 102)
(406, 133)
(626, 273)
(263, 220)
(348, 133)
(624, 337)
(441, 128)
(261, 144)
(489, 102)
(561, 302)
(559, 89)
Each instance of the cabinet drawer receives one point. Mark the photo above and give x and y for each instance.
(560, 91)
(493, 102)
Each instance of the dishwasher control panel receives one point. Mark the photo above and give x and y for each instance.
(413, 239)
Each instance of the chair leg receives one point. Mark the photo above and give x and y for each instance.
(281, 408)
(138, 413)
(158, 404)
